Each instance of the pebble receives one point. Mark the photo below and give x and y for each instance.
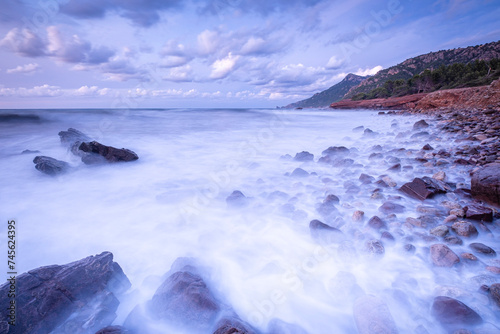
(495, 270)
(389, 181)
(468, 256)
(464, 229)
(440, 231)
(358, 216)
(441, 176)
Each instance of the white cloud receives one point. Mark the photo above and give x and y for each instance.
(37, 91)
(208, 42)
(180, 74)
(25, 69)
(253, 45)
(91, 91)
(335, 63)
(23, 42)
(222, 67)
(174, 61)
(368, 71)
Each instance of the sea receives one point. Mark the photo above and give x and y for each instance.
(260, 257)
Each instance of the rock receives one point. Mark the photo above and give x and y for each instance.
(277, 326)
(419, 134)
(395, 168)
(483, 249)
(328, 206)
(233, 325)
(453, 314)
(485, 183)
(387, 236)
(495, 270)
(366, 179)
(457, 212)
(331, 198)
(358, 128)
(478, 212)
(75, 297)
(423, 188)
(427, 147)
(372, 315)
(50, 165)
(468, 256)
(375, 247)
(464, 229)
(237, 199)
(440, 176)
(440, 231)
(299, 172)
(443, 256)
(304, 156)
(111, 154)
(73, 136)
(390, 207)
(324, 233)
(114, 330)
(376, 223)
(30, 152)
(336, 151)
(422, 124)
(185, 300)
(453, 240)
(495, 293)
(409, 248)
(358, 216)
(389, 181)
(416, 222)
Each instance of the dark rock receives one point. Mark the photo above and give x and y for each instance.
(336, 151)
(376, 223)
(427, 147)
(387, 236)
(299, 172)
(453, 314)
(495, 293)
(277, 326)
(375, 156)
(419, 134)
(328, 205)
(233, 325)
(372, 315)
(453, 240)
(423, 188)
(77, 296)
(365, 178)
(368, 133)
(485, 183)
(185, 300)
(422, 124)
(395, 168)
(443, 256)
(73, 136)
(30, 152)
(114, 330)
(236, 199)
(304, 156)
(375, 247)
(390, 207)
(111, 154)
(50, 165)
(478, 212)
(358, 128)
(331, 198)
(483, 249)
(464, 229)
(410, 248)
(325, 233)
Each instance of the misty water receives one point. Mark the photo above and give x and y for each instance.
(260, 258)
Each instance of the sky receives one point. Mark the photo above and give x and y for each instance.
(216, 53)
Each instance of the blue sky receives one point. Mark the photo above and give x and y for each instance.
(216, 53)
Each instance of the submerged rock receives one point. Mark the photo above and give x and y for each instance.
(422, 124)
(336, 151)
(485, 183)
(304, 156)
(453, 314)
(372, 315)
(423, 188)
(50, 165)
(236, 199)
(443, 256)
(114, 330)
(325, 233)
(76, 297)
(73, 136)
(495, 293)
(111, 154)
(376, 223)
(299, 172)
(482, 249)
(390, 207)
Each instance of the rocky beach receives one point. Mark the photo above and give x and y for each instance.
(416, 206)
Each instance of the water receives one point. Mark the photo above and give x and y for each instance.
(261, 258)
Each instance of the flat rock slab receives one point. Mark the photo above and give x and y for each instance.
(478, 212)
(50, 166)
(109, 153)
(485, 183)
(423, 188)
(454, 314)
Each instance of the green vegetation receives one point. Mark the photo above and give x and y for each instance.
(458, 75)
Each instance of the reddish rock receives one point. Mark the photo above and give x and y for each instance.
(402, 102)
(422, 188)
(464, 229)
(485, 183)
(495, 293)
(443, 256)
(422, 124)
(478, 212)
(453, 314)
(483, 249)
(376, 223)
(390, 207)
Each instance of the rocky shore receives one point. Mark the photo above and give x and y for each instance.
(456, 231)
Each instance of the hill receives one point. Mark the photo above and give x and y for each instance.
(430, 61)
(332, 94)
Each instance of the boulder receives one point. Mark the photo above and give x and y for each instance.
(422, 124)
(495, 293)
(485, 183)
(423, 188)
(109, 153)
(464, 229)
(482, 249)
(325, 233)
(390, 207)
(478, 212)
(453, 314)
(372, 315)
(71, 298)
(237, 199)
(336, 151)
(376, 223)
(233, 325)
(114, 330)
(375, 247)
(304, 156)
(365, 178)
(50, 165)
(299, 172)
(443, 256)
(73, 136)
(440, 231)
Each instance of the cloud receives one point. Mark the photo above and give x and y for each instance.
(180, 74)
(368, 71)
(263, 7)
(37, 91)
(335, 63)
(75, 50)
(208, 42)
(24, 69)
(222, 67)
(174, 55)
(23, 42)
(90, 91)
(123, 70)
(260, 46)
(143, 13)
